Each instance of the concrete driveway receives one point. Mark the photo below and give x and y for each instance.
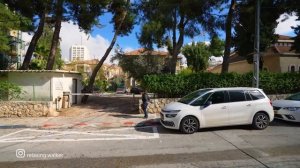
(101, 112)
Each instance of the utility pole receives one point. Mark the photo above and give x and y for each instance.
(256, 58)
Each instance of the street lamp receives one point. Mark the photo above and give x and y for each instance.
(256, 58)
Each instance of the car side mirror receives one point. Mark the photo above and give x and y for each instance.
(208, 103)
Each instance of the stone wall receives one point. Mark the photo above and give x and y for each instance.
(277, 97)
(157, 104)
(25, 108)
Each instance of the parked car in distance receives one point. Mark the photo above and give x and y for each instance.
(288, 109)
(120, 90)
(214, 107)
(136, 90)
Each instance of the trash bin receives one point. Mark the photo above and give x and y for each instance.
(66, 100)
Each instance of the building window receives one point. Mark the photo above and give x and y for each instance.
(292, 68)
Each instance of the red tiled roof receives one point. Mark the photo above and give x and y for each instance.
(282, 37)
(143, 51)
(235, 57)
(285, 49)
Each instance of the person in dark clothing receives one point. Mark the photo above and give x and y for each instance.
(146, 100)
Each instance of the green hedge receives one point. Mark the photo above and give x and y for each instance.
(167, 85)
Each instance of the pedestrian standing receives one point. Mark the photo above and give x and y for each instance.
(146, 100)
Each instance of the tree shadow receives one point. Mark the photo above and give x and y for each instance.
(13, 126)
(146, 126)
(125, 116)
(282, 123)
(96, 104)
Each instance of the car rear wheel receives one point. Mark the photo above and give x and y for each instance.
(189, 125)
(260, 121)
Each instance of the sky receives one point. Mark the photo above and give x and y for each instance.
(99, 39)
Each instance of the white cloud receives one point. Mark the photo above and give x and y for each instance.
(70, 35)
(285, 23)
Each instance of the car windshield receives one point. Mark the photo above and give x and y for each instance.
(295, 97)
(192, 96)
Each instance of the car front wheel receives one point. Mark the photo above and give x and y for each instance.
(189, 125)
(260, 121)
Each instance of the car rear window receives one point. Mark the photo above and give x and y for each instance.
(255, 95)
(237, 95)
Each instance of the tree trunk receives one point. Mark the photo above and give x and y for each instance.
(55, 38)
(225, 64)
(174, 38)
(89, 87)
(38, 33)
(177, 45)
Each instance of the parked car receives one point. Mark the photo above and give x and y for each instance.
(136, 90)
(288, 109)
(120, 90)
(218, 107)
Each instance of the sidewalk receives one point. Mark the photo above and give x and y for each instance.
(103, 120)
(98, 113)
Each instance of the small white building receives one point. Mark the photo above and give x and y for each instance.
(45, 85)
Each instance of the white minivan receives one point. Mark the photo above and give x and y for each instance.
(215, 107)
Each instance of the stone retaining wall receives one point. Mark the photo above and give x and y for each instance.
(158, 104)
(277, 97)
(25, 109)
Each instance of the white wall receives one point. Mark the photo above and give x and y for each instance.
(46, 86)
(36, 86)
(286, 62)
(63, 82)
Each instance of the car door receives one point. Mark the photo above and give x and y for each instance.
(240, 107)
(215, 114)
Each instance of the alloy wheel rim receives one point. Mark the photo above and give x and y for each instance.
(190, 125)
(262, 121)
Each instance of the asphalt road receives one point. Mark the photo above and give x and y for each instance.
(277, 146)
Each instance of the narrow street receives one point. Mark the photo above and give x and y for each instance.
(152, 146)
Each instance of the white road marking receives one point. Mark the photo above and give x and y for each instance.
(155, 132)
(110, 136)
(13, 133)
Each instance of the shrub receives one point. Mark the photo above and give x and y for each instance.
(9, 91)
(167, 85)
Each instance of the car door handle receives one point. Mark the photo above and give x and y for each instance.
(224, 107)
(248, 105)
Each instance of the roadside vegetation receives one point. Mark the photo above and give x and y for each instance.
(9, 91)
(179, 85)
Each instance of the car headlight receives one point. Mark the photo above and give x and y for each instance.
(292, 108)
(171, 115)
(171, 111)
